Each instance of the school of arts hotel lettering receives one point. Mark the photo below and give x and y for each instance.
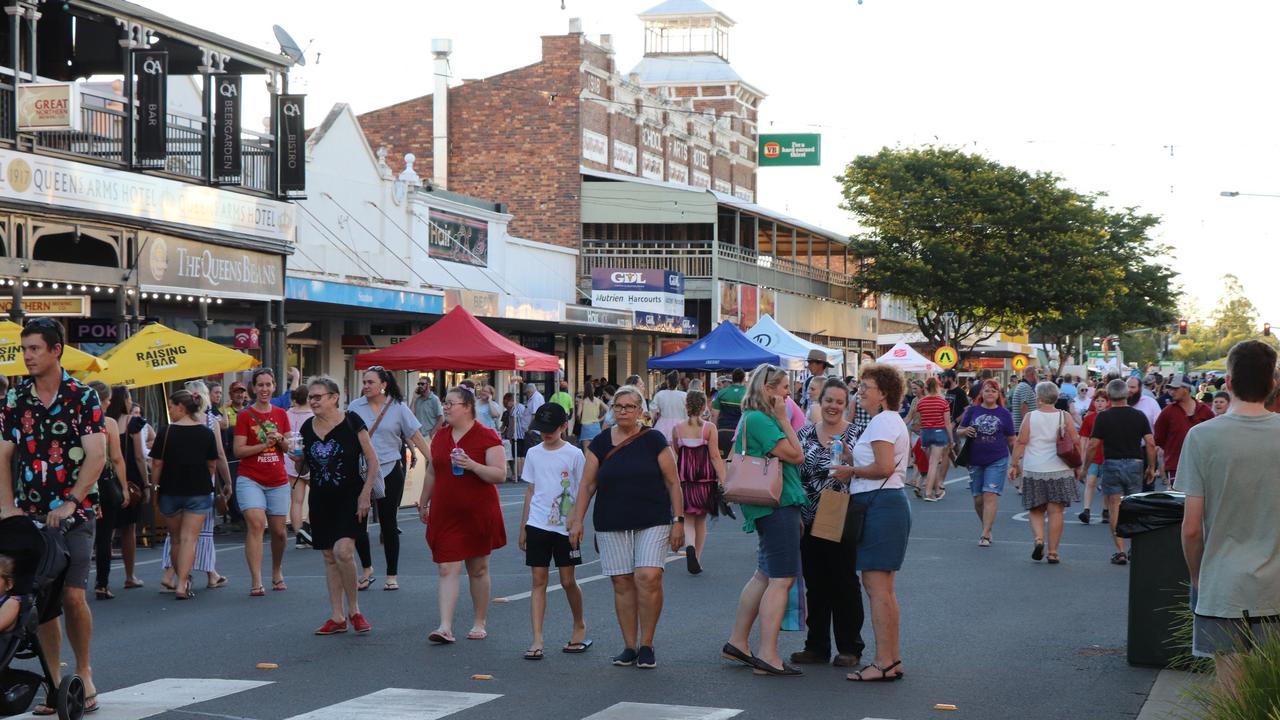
(177, 212)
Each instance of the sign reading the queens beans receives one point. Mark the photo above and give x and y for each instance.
(458, 239)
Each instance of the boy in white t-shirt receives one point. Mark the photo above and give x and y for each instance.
(553, 470)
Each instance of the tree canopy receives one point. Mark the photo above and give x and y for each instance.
(1002, 248)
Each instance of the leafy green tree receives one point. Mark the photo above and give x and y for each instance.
(1001, 248)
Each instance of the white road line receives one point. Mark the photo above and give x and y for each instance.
(160, 696)
(647, 711)
(400, 704)
(582, 581)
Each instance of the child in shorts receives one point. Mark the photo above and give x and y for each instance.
(553, 470)
(9, 604)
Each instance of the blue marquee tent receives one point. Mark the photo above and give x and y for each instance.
(724, 348)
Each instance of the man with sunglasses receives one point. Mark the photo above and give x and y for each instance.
(54, 435)
(427, 407)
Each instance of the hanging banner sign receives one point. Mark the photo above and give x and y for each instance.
(458, 239)
(226, 129)
(291, 145)
(151, 130)
(802, 149)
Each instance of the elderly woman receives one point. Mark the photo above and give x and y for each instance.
(989, 426)
(830, 574)
(814, 391)
(333, 445)
(638, 516)
(1047, 481)
(765, 431)
(879, 466)
(459, 505)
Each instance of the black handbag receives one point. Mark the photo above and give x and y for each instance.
(965, 447)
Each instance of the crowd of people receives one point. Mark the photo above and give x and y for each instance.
(650, 470)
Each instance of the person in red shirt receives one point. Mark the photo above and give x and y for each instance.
(934, 415)
(262, 485)
(1093, 466)
(1175, 420)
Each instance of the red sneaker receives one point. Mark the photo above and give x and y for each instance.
(360, 624)
(332, 628)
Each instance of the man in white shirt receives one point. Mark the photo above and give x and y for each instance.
(532, 398)
(1148, 406)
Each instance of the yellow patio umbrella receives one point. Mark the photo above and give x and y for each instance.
(158, 354)
(1220, 365)
(73, 360)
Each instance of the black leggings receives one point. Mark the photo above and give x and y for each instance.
(388, 507)
(103, 533)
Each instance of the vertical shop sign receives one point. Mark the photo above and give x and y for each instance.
(150, 132)
(226, 129)
(290, 144)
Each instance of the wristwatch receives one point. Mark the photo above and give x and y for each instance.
(678, 519)
(74, 500)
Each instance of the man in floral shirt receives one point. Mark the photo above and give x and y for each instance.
(51, 433)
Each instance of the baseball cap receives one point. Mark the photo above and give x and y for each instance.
(237, 385)
(549, 417)
(1179, 381)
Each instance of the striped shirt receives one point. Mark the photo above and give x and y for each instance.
(933, 411)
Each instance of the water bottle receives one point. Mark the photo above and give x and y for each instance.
(837, 451)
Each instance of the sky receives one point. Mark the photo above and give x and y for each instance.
(1159, 104)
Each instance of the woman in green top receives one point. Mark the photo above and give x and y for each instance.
(766, 431)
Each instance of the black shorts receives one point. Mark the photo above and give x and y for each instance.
(522, 447)
(543, 545)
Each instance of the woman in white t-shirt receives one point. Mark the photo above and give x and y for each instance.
(668, 406)
(879, 469)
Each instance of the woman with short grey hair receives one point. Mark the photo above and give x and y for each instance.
(638, 518)
(1048, 483)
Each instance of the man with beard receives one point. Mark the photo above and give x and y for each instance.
(1147, 405)
(1175, 420)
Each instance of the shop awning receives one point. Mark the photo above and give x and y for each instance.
(158, 354)
(724, 348)
(459, 342)
(11, 363)
(792, 349)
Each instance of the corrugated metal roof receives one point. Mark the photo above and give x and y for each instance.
(706, 67)
(680, 7)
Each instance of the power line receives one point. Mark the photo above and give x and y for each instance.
(351, 253)
(377, 239)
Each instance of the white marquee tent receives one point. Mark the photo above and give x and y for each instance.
(906, 359)
(792, 349)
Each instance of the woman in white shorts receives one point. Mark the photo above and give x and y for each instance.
(638, 518)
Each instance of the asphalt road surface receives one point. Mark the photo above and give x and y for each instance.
(984, 629)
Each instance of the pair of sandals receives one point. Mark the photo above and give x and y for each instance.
(367, 582)
(884, 676)
(758, 667)
(573, 648)
(439, 637)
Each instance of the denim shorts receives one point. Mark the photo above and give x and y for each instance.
(988, 478)
(274, 500)
(1121, 476)
(778, 553)
(171, 505)
(1095, 469)
(934, 437)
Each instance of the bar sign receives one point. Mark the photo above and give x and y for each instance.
(290, 145)
(152, 70)
(226, 129)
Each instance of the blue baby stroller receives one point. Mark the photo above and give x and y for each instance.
(40, 568)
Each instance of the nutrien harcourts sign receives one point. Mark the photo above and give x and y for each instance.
(803, 149)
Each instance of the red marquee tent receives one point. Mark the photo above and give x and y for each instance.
(458, 342)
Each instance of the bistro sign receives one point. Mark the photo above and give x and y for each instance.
(135, 196)
(188, 265)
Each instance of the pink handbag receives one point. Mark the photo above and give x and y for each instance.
(752, 480)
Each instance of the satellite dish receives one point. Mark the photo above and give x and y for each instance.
(288, 47)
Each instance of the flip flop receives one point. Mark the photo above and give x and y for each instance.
(391, 586)
(576, 647)
(103, 594)
(1037, 552)
(221, 581)
(440, 638)
(90, 703)
(364, 583)
(984, 541)
(42, 710)
(258, 591)
(477, 635)
(188, 595)
(131, 584)
(167, 588)
(535, 654)
(278, 586)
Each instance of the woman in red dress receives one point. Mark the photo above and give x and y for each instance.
(459, 506)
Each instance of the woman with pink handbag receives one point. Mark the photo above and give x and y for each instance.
(765, 467)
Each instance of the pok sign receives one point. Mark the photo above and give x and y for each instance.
(801, 149)
(656, 291)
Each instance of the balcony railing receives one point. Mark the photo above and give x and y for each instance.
(736, 264)
(102, 138)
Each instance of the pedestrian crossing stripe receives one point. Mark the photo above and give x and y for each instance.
(647, 711)
(398, 703)
(161, 696)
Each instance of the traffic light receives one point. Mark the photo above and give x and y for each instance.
(1266, 329)
(1182, 327)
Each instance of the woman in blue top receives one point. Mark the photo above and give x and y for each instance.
(989, 426)
(765, 430)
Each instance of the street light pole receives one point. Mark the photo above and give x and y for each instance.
(1235, 193)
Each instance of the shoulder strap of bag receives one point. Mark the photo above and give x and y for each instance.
(621, 445)
(742, 433)
(378, 420)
